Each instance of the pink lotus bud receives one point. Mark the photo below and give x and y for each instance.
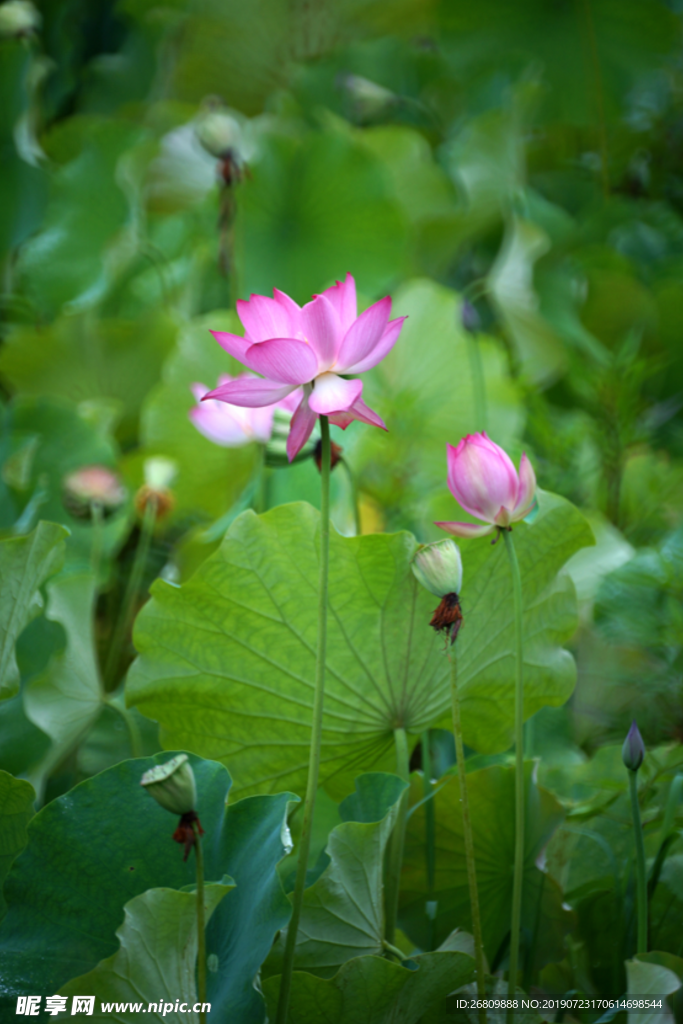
(633, 750)
(92, 485)
(482, 478)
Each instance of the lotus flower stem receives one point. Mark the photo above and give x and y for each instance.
(97, 519)
(478, 382)
(316, 733)
(469, 841)
(430, 834)
(134, 580)
(641, 892)
(397, 840)
(518, 876)
(201, 934)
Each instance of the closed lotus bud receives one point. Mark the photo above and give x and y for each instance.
(369, 101)
(172, 785)
(89, 486)
(633, 750)
(219, 134)
(438, 567)
(18, 18)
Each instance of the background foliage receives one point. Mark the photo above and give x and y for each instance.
(511, 174)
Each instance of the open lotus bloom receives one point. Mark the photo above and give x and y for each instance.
(314, 346)
(233, 425)
(482, 478)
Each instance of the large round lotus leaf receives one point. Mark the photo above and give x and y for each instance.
(371, 990)
(227, 661)
(106, 842)
(492, 807)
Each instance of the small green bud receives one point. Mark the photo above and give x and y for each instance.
(633, 750)
(369, 101)
(438, 567)
(172, 785)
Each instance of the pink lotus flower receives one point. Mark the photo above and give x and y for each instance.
(311, 346)
(232, 425)
(482, 478)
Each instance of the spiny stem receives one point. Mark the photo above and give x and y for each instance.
(201, 934)
(640, 864)
(316, 733)
(518, 876)
(469, 840)
(125, 615)
(430, 833)
(397, 839)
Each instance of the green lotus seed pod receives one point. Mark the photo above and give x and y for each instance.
(172, 785)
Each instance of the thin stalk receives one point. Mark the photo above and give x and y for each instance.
(132, 588)
(640, 864)
(354, 497)
(430, 835)
(397, 840)
(518, 876)
(394, 950)
(316, 733)
(97, 538)
(201, 934)
(478, 382)
(469, 840)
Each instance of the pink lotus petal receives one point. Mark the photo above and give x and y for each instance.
(364, 335)
(342, 295)
(322, 330)
(301, 428)
(383, 347)
(334, 394)
(283, 359)
(358, 411)
(503, 517)
(466, 529)
(526, 490)
(292, 308)
(291, 402)
(233, 344)
(265, 318)
(252, 392)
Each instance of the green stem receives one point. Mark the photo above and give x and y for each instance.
(97, 538)
(117, 701)
(469, 839)
(394, 950)
(316, 733)
(397, 840)
(640, 864)
(134, 580)
(478, 382)
(518, 876)
(201, 934)
(354, 497)
(430, 835)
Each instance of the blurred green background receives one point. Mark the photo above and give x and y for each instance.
(510, 173)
